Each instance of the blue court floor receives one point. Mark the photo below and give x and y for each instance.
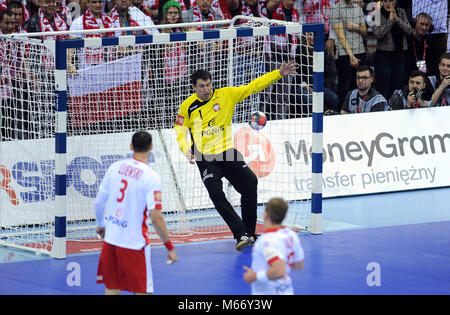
(395, 243)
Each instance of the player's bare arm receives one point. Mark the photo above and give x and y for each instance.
(99, 207)
(159, 223)
(276, 271)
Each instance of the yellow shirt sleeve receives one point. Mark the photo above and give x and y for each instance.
(182, 129)
(240, 93)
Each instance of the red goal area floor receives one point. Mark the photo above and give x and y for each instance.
(80, 247)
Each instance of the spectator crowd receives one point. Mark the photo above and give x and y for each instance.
(387, 55)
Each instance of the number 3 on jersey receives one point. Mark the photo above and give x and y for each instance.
(122, 190)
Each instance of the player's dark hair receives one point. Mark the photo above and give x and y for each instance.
(4, 13)
(14, 4)
(276, 209)
(200, 74)
(418, 73)
(141, 141)
(444, 56)
(365, 68)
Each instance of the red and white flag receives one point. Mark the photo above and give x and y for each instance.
(105, 91)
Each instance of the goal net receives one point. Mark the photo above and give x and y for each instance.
(69, 109)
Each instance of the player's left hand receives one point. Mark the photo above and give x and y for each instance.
(249, 275)
(288, 68)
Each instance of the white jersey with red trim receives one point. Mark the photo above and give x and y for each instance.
(273, 244)
(129, 190)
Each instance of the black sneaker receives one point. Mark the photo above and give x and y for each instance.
(242, 242)
(253, 239)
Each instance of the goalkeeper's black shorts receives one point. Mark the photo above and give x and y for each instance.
(232, 166)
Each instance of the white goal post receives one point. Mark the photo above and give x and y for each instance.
(69, 108)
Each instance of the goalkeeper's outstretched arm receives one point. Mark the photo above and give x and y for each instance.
(257, 85)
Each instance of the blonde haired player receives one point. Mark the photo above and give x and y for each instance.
(128, 194)
(275, 253)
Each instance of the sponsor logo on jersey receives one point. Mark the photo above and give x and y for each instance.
(157, 196)
(212, 128)
(119, 212)
(158, 200)
(117, 221)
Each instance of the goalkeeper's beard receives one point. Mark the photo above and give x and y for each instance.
(203, 96)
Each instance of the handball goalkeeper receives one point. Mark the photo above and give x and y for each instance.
(207, 116)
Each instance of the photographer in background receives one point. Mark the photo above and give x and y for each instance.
(441, 84)
(364, 98)
(412, 95)
(418, 55)
(437, 40)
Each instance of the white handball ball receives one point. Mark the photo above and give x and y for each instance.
(257, 120)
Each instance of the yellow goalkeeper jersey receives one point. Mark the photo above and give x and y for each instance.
(209, 121)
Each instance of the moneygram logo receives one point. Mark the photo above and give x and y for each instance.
(257, 150)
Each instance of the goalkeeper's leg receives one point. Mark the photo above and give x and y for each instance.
(212, 175)
(245, 182)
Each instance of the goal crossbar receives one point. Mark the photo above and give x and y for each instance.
(294, 28)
